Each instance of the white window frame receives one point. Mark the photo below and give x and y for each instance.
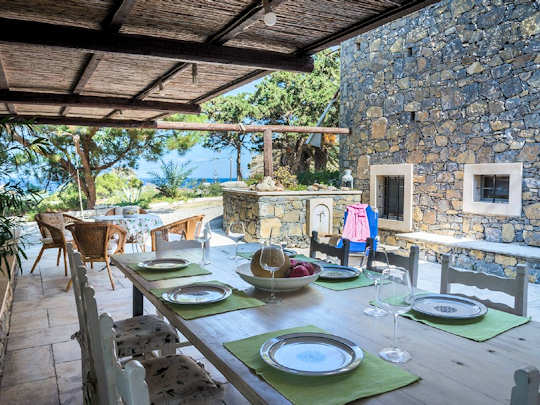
(376, 175)
(512, 208)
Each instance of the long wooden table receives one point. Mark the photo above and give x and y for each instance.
(454, 370)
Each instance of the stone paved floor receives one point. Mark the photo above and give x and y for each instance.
(43, 363)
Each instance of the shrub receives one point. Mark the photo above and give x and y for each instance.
(329, 177)
(255, 179)
(285, 177)
(171, 178)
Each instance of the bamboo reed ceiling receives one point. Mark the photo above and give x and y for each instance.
(227, 40)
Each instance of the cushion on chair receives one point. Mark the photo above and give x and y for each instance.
(142, 334)
(46, 241)
(178, 379)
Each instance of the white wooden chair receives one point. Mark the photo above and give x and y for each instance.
(163, 246)
(135, 336)
(175, 379)
(514, 287)
(525, 392)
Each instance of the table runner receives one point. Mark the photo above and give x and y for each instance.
(152, 275)
(373, 376)
(237, 300)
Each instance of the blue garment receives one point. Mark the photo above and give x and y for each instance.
(373, 220)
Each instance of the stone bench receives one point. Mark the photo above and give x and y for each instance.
(481, 255)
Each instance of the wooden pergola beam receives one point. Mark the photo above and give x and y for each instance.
(247, 17)
(76, 100)
(367, 25)
(118, 16)
(49, 35)
(4, 85)
(326, 42)
(112, 23)
(180, 126)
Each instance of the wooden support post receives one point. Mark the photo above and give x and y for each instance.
(267, 153)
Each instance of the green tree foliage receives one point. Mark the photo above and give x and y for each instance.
(231, 110)
(286, 98)
(100, 149)
(171, 177)
(283, 98)
(16, 196)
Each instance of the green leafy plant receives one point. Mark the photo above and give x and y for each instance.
(329, 177)
(283, 176)
(171, 178)
(15, 197)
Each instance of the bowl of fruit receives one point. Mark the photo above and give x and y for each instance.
(293, 275)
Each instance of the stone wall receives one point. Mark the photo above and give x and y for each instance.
(457, 82)
(7, 288)
(283, 212)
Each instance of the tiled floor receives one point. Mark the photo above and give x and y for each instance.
(43, 363)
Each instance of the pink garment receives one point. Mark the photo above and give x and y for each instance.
(356, 228)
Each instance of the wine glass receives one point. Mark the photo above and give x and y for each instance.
(271, 259)
(236, 232)
(203, 234)
(395, 295)
(375, 312)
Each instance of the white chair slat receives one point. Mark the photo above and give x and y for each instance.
(516, 288)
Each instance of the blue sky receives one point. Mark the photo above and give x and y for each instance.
(206, 162)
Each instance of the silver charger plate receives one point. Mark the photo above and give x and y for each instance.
(197, 293)
(311, 354)
(448, 306)
(164, 264)
(337, 272)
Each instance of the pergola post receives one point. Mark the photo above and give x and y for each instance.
(267, 153)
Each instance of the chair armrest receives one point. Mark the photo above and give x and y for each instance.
(72, 218)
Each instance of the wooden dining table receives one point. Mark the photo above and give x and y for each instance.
(453, 369)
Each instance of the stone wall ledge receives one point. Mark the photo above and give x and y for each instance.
(291, 193)
(529, 253)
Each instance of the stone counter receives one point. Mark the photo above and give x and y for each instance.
(284, 212)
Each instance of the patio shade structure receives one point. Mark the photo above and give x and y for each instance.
(267, 130)
(134, 61)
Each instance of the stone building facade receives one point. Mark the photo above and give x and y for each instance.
(450, 91)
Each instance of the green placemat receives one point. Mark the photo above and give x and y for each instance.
(237, 300)
(373, 376)
(152, 275)
(339, 285)
(492, 324)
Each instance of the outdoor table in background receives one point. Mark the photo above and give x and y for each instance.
(138, 226)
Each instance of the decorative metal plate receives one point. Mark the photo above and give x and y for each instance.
(337, 272)
(313, 354)
(197, 293)
(448, 306)
(290, 252)
(164, 264)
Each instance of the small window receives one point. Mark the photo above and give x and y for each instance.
(392, 196)
(493, 189)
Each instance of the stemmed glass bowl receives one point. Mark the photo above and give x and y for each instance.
(396, 295)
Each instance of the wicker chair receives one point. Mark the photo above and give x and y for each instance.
(96, 241)
(52, 226)
(183, 227)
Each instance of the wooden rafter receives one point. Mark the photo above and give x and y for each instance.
(249, 16)
(112, 23)
(334, 39)
(118, 15)
(367, 25)
(180, 126)
(76, 100)
(4, 85)
(49, 35)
